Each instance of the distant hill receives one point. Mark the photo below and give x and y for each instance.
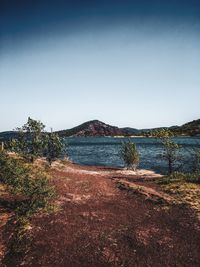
(93, 128)
(98, 128)
(8, 135)
(191, 128)
(131, 131)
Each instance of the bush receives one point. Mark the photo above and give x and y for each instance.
(188, 177)
(193, 178)
(129, 155)
(53, 146)
(179, 176)
(195, 159)
(34, 193)
(175, 176)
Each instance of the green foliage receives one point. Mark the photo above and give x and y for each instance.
(129, 154)
(33, 193)
(180, 177)
(30, 195)
(195, 158)
(30, 142)
(33, 142)
(171, 149)
(147, 134)
(193, 177)
(177, 176)
(162, 133)
(12, 173)
(53, 146)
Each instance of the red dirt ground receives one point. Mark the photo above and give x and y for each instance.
(100, 225)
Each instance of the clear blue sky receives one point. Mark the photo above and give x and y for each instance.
(127, 63)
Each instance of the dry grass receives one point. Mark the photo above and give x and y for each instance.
(187, 193)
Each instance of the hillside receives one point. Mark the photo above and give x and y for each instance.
(98, 128)
(191, 128)
(93, 128)
(7, 135)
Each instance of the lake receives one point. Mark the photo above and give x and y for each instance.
(104, 151)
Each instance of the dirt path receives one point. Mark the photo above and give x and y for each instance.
(100, 225)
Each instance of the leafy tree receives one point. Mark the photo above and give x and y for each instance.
(53, 146)
(171, 149)
(129, 155)
(30, 142)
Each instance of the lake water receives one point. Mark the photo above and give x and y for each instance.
(104, 151)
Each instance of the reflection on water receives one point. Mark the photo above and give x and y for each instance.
(105, 151)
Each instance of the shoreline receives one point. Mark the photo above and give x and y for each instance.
(106, 170)
(124, 136)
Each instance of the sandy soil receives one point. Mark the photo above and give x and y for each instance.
(98, 224)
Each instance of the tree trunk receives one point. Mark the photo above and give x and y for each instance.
(170, 169)
(2, 146)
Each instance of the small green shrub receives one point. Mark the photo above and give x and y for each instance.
(129, 155)
(193, 178)
(177, 176)
(180, 177)
(187, 177)
(163, 181)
